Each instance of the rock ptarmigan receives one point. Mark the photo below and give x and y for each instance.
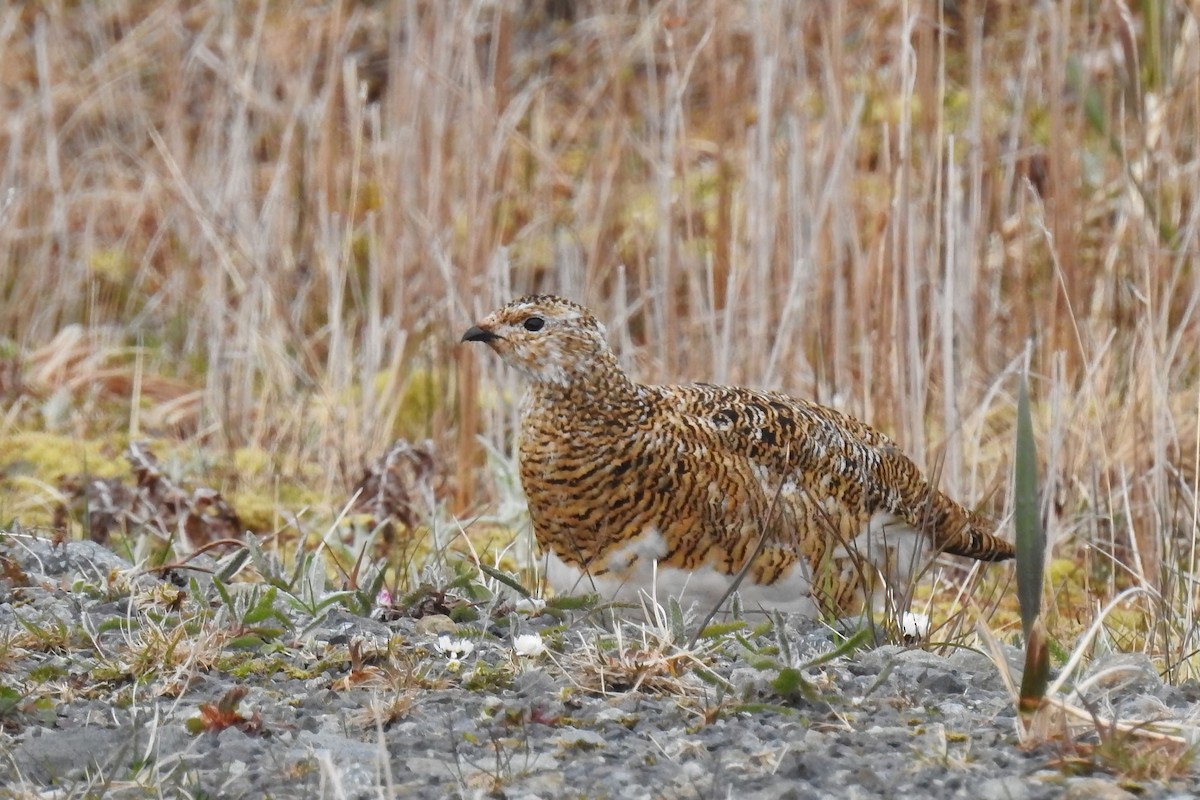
(669, 490)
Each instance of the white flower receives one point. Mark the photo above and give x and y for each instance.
(914, 627)
(454, 649)
(529, 645)
(530, 605)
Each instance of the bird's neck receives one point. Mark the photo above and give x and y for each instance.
(602, 382)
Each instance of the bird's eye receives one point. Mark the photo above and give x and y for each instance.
(534, 323)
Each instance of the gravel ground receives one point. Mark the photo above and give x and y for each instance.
(113, 685)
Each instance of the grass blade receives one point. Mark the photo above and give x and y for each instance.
(1031, 563)
(1031, 539)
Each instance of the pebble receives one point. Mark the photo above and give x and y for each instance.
(1095, 789)
(436, 625)
(1007, 788)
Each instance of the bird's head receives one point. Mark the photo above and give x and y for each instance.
(549, 339)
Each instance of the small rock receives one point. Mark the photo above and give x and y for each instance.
(951, 709)
(1010, 788)
(67, 754)
(548, 783)
(436, 625)
(427, 767)
(1094, 789)
(942, 682)
(534, 683)
(1123, 672)
(784, 791)
(611, 714)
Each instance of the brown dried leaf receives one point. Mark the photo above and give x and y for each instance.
(398, 487)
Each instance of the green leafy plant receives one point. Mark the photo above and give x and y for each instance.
(1031, 563)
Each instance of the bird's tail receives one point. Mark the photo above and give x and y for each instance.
(966, 533)
(950, 527)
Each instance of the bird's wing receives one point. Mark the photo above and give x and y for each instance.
(844, 466)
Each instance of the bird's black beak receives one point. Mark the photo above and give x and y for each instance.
(478, 334)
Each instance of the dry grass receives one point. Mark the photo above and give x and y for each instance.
(261, 227)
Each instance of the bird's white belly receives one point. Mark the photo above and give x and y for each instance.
(891, 546)
(633, 575)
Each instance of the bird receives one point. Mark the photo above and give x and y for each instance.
(642, 491)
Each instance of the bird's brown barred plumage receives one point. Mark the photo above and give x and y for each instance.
(690, 476)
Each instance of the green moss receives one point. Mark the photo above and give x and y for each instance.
(47, 672)
(233, 662)
(49, 456)
(331, 664)
(262, 495)
(257, 513)
(113, 266)
(123, 698)
(719, 630)
(117, 624)
(535, 252)
(257, 667)
(252, 461)
(34, 463)
(298, 673)
(424, 393)
(109, 672)
(1064, 571)
(486, 677)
